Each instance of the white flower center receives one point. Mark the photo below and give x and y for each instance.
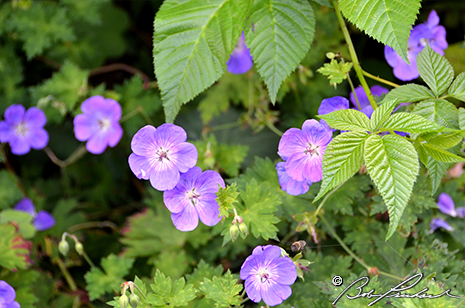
(21, 129)
(312, 150)
(192, 196)
(162, 154)
(263, 274)
(104, 124)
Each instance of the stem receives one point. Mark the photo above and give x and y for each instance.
(377, 78)
(351, 253)
(326, 198)
(353, 55)
(84, 254)
(224, 126)
(274, 129)
(92, 224)
(353, 91)
(140, 291)
(122, 67)
(65, 272)
(129, 115)
(78, 153)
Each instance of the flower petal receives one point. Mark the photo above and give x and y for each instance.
(7, 132)
(186, 220)
(295, 166)
(165, 175)
(240, 61)
(26, 205)
(331, 104)
(14, 114)
(141, 166)
(249, 267)
(446, 205)
(289, 185)
(252, 287)
(184, 156)
(169, 134)
(275, 293)
(291, 142)
(20, 145)
(143, 143)
(97, 143)
(285, 269)
(43, 221)
(35, 117)
(208, 182)
(175, 199)
(209, 211)
(7, 293)
(439, 223)
(38, 138)
(270, 254)
(114, 132)
(85, 126)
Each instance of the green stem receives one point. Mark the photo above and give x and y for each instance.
(377, 78)
(84, 254)
(93, 224)
(353, 91)
(224, 126)
(129, 115)
(140, 291)
(274, 129)
(326, 198)
(351, 253)
(69, 279)
(76, 155)
(353, 55)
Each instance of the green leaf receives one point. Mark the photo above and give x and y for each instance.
(381, 114)
(226, 198)
(192, 42)
(392, 164)
(436, 171)
(99, 282)
(203, 270)
(22, 219)
(462, 118)
(168, 294)
(435, 70)
(342, 159)
(442, 155)
(280, 39)
(388, 21)
(410, 93)
(223, 290)
(12, 256)
(444, 140)
(9, 190)
(410, 123)
(335, 71)
(347, 119)
(440, 111)
(457, 89)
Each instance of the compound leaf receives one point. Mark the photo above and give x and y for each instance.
(410, 123)
(435, 70)
(410, 93)
(457, 89)
(347, 119)
(170, 294)
(438, 110)
(223, 290)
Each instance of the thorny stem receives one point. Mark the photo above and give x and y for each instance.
(353, 55)
(377, 78)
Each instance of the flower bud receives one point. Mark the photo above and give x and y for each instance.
(79, 248)
(234, 232)
(330, 55)
(243, 229)
(63, 247)
(123, 301)
(133, 300)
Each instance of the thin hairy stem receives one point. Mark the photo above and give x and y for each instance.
(377, 78)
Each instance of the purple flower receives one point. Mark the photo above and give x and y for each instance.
(42, 220)
(446, 205)
(240, 61)
(193, 198)
(160, 154)
(268, 276)
(429, 32)
(99, 124)
(292, 187)
(376, 90)
(437, 223)
(7, 296)
(24, 129)
(303, 150)
(460, 212)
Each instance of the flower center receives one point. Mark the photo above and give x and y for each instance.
(192, 196)
(21, 129)
(423, 41)
(162, 154)
(104, 124)
(263, 274)
(312, 150)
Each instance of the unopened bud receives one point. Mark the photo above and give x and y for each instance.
(238, 220)
(133, 300)
(234, 232)
(79, 248)
(330, 55)
(243, 229)
(123, 301)
(63, 247)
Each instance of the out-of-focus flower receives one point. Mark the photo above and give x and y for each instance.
(437, 223)
(268, 275)
(240, 61)
(427, 33)
(23, 129)
(99, 124)
(332, 104)
(289, 185)
(303, 150)
(446, 204)
(193, 198)
(161, 154)
(460, 212)
(42, 220)
(7, 296)
(456, 171)
(362, 97)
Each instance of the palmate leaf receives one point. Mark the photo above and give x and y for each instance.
(388, 21)
(435, 70)
(192, 42)
(409, 93)
(223, 290)
(347, 119)
(410, 123)
(170, 294)
(392, 164)
(280, 39)
(438, 110)
(457, 89)
(337, 72)
(343, 157)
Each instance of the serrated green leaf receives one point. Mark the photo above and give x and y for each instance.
(342, 159)
(381, 114)
(11, 255)
(388, 21)
(192, 42)
(223, 290)
(442, 155)
(410, 93)
(170, 294)
(436, 171)
(444, 140)
(457, 88)
(410, 123)
(226, 198)
(347, 119)
(9, 190)
(281, 37)
(435, 70)
(22, 219)
(440, 111)
(336, 71)
(392, 164)
(462, 118)
(203, 270)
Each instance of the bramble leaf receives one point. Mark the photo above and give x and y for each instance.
(462, 118)
(438, 110)
(347, 119)
(335, 71)
(444, 140)
(170, 294)
(281, 38)
(381, 114)
(223, 290)
(441, 154)
(436, 171)
(410, 123)
(435, 70)
(409, 93)
(457, 88)
(392, 164)
(387, 21)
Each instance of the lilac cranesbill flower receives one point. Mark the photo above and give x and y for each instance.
(240, 61)
(268, 275)
(42, 220)
(303, 150)
(460, 212)
(7, 296)
(362, 97)
(23, 129)
(193, 198)
(289, 185)
(446, 205)
(427, 33)
(437, 223)
(161, 154)
(99, 124)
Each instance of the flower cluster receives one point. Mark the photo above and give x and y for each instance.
(24, 129)
(240, 61)
(268, 275)
(427, 33)
(42, 220)
(7, 296)
(302, 151)
(446, 206)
